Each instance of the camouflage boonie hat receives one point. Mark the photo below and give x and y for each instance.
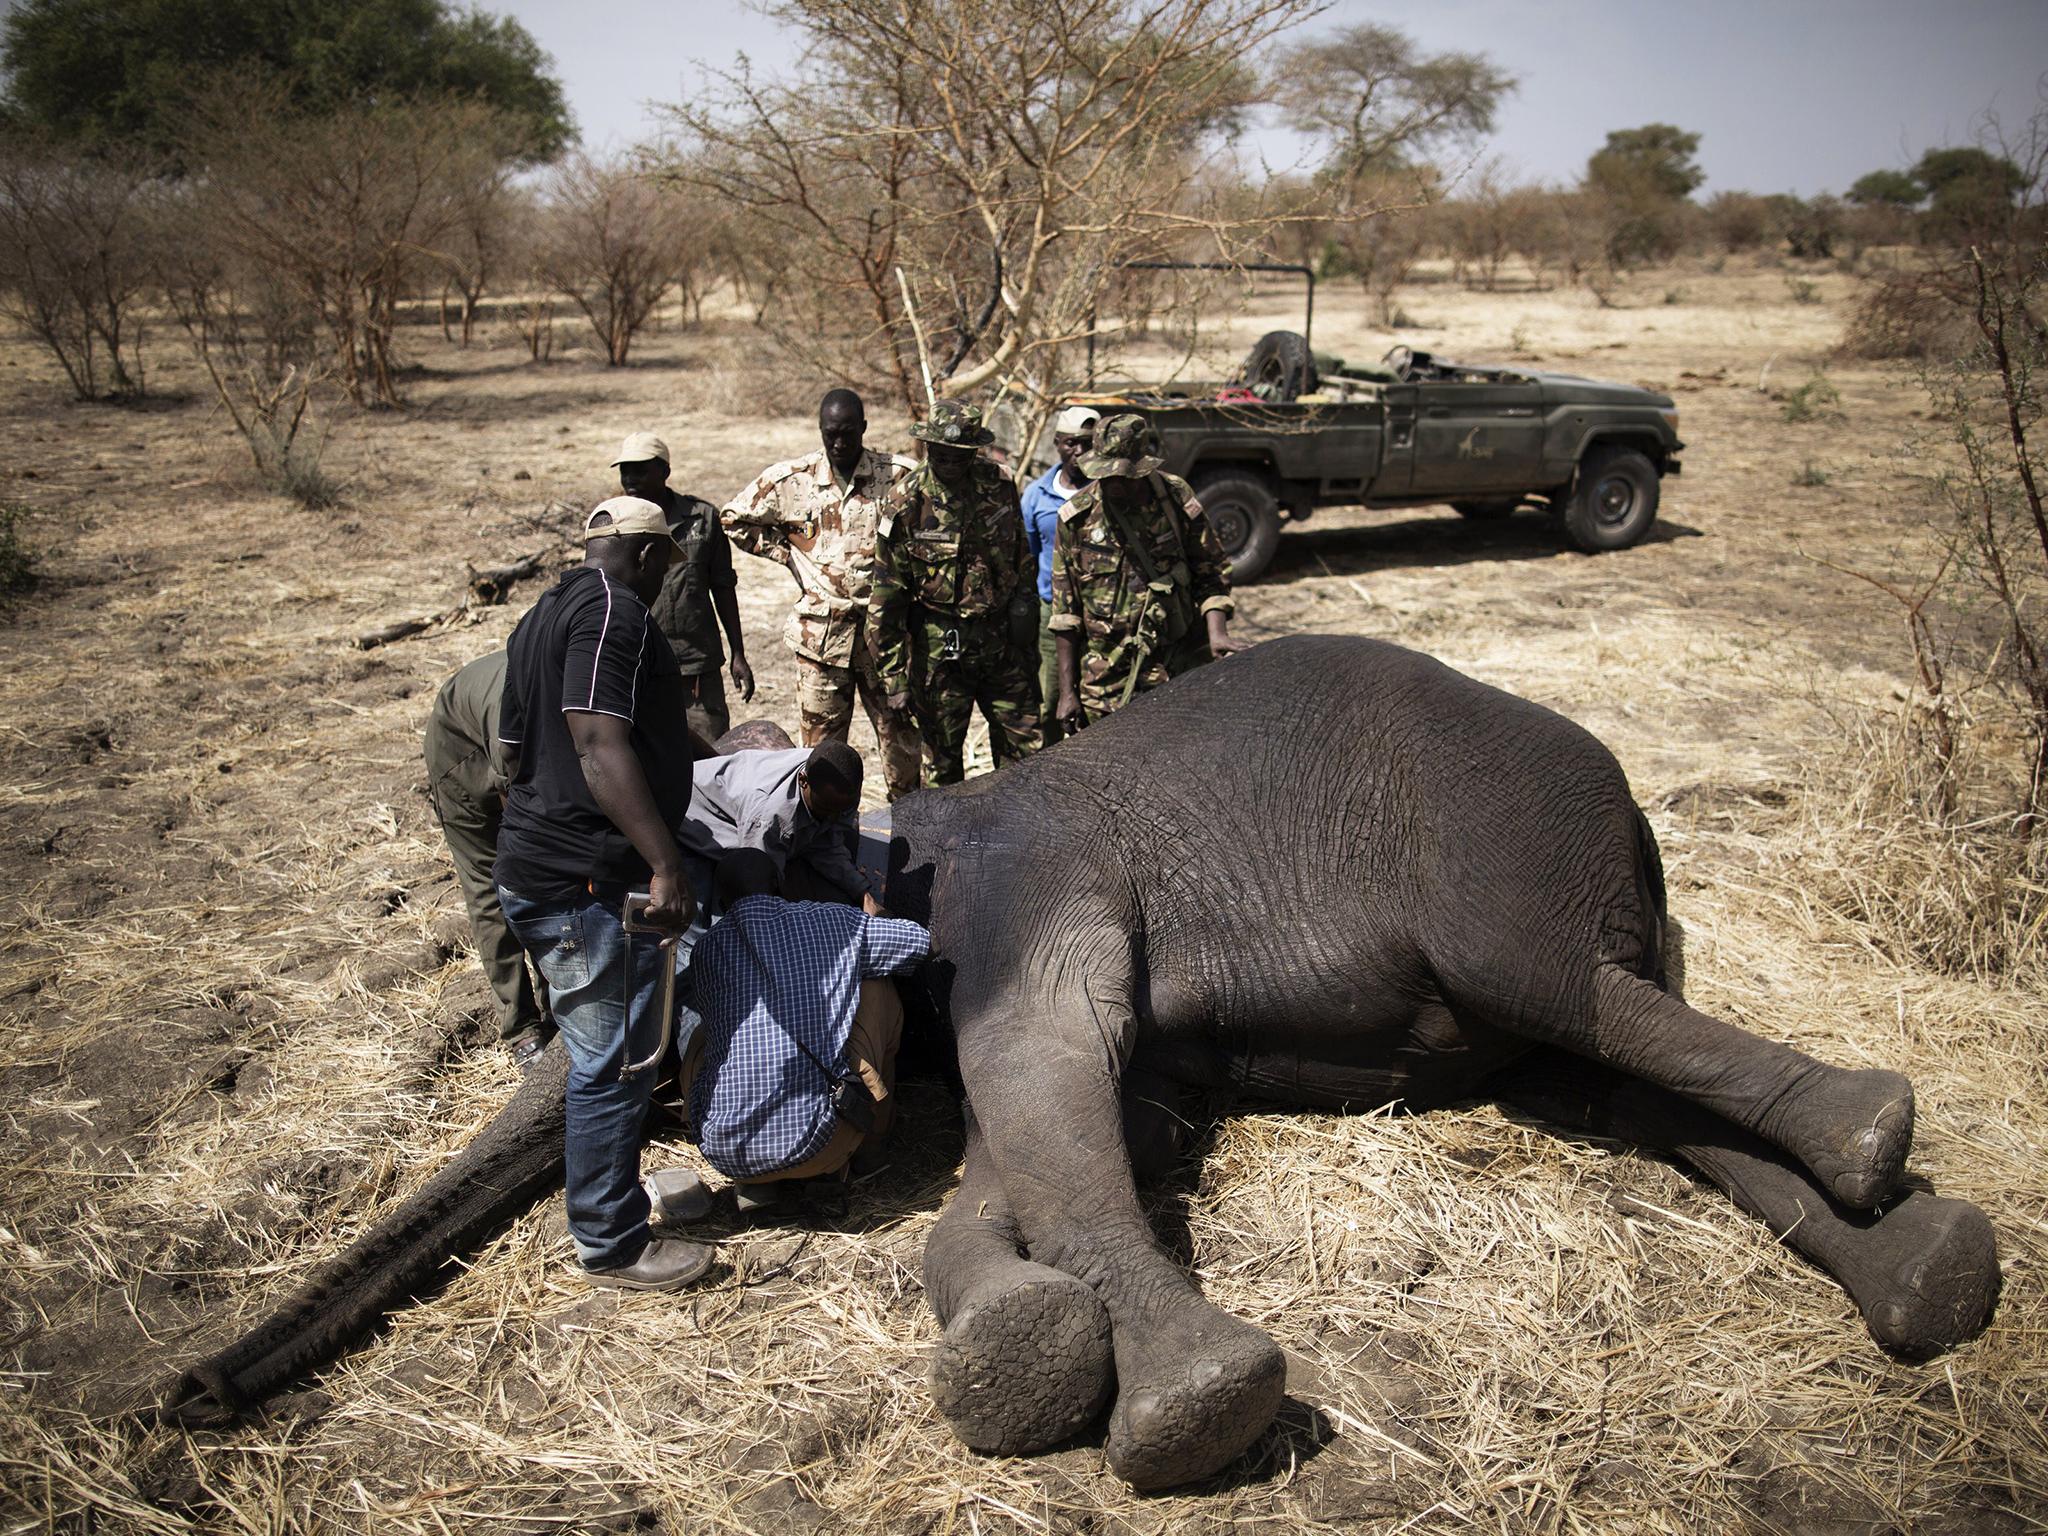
(1124, 446)
(953, 425)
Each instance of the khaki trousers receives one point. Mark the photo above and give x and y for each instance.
(871, 1047)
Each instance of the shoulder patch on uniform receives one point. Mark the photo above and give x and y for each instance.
(1080, 504)
(900, 461)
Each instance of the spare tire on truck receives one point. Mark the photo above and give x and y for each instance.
(1280, 367)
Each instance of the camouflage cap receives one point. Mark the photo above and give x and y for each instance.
(953, 425)
(1124, 446)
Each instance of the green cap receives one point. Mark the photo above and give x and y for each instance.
(953, 425)
(1124, 446)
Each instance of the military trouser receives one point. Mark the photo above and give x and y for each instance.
(1049, 728)
(824, 701)
(1102, 685)
(709, 716)
(469, 821)
(957, 666)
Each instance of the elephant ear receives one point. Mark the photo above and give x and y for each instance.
(514, 1162)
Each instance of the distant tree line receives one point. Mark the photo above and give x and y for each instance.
(941, 196)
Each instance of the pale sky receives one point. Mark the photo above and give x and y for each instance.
(1788, 95)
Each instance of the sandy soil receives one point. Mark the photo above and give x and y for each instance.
(239, 1018)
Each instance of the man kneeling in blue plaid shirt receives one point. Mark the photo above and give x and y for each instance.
(797, 1018)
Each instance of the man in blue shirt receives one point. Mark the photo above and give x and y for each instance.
(1073, 434)
(794, 1004)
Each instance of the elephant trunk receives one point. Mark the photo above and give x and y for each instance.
(499, 1175)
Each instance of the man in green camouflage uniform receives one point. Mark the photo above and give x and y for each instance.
(1138, 589)
(955, 589)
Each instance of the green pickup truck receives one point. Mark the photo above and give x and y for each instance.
(1296, 431)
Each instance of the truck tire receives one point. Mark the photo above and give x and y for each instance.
(1245, 515)
(1280, 366)
(1486, 511)
(1614, 500)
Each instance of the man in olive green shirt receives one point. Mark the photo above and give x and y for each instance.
(468, 796)
(700, 592)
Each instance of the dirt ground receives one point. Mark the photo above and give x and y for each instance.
(238, 1017)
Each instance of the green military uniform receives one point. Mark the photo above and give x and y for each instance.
(1134, 584)
(686, 612)
(468, 796)
(955, 601)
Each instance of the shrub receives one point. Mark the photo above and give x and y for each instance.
(1810, 475)
(17, 559)
(74, 262)
(1803, 290)
(1815, 400)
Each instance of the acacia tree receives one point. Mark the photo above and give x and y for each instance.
(1639, 181)
(1385, 114)
(1378, 103)
(611, 241)
(109, 74)
(953, 183)
(74, 261)
(347, 210)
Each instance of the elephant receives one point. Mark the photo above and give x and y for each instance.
(1329, 873)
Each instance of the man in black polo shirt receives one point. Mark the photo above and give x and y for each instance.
(593, 723)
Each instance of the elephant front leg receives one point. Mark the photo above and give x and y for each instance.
(1195, 1386)
(1025, 1360)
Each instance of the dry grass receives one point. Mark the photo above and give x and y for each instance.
(234, 1029)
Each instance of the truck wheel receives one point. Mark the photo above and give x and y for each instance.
(1280, 366)
(1613, 502)
(1486, 511)
(1245, 514)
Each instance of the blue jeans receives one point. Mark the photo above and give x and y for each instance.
(581, 948)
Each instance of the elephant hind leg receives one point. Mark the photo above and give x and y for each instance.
(1924, 1272)
(1852, 1128)
(1025, 1359)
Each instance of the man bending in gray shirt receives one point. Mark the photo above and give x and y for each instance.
(798, 806)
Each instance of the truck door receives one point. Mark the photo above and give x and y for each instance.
(1477, 437)
(1397, 458)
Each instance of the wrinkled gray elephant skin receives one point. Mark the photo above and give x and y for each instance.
(1326, 873)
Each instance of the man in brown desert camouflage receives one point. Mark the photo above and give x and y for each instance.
(817, 516)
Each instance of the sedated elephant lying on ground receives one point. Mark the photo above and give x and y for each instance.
(1328, 873)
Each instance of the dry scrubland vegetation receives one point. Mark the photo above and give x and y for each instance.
(240, 1019)
(360, 378)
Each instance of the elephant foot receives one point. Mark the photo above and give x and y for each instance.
(1207, 1387)
(1024, 1367)
(1925, 1275)
(1853, 1131)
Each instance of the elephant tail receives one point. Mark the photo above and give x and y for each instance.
(512, 1163)
(1652, 901)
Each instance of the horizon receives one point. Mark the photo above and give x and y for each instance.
(1849, 86)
